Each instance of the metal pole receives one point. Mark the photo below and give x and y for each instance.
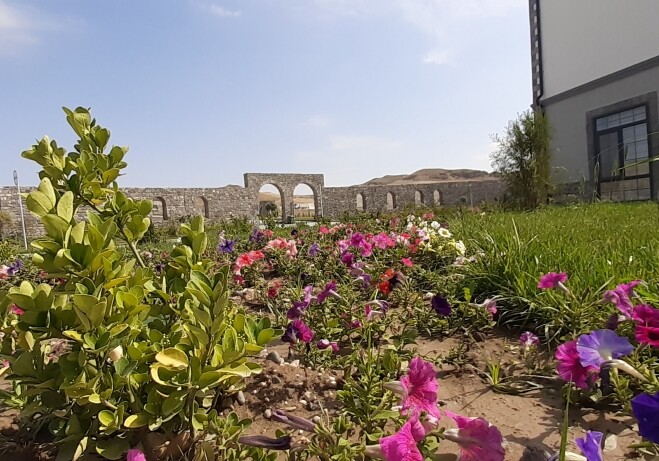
(20, 207)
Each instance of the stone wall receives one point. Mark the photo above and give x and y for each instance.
(233, 201)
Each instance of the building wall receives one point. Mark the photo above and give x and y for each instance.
(234, 201)
(583, 40)
(571, 115)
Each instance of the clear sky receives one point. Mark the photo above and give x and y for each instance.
(203, 91)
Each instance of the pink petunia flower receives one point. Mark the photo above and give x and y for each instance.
(490, 305)
(553, 280)
(407, 262)
(569, 366)
(620, 299)
(420, 388)
(135, 455)
(14, 309)
(402, 446)
(478, 439)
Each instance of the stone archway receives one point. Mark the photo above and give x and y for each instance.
(285, 184)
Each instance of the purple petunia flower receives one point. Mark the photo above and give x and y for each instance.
(628, 288)
(441, 305)
(256, 235)
(552, 280)
(646, 410)
(297, 330)
(329, 290)
(313, 250)
(600, 346)
(226, 246)
(14, 268)
(528, 339)
(620, 299)
(591, 445)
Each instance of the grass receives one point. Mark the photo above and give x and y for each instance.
(598, 245)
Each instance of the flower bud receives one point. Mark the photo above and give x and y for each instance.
(116, 353)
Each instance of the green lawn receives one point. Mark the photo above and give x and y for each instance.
(598, 245)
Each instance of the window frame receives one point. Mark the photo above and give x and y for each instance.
(621, 146)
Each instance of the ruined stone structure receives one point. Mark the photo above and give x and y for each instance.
(330, 202)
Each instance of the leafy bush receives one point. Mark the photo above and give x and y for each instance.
(117, 355)
(523, 159)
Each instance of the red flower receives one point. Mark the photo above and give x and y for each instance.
(384, 288)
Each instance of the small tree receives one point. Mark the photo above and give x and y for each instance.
(523, 159)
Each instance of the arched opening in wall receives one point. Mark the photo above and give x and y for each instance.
(159, 210)
(361, 202)
(391, 201)
(201, 207)
(305, 203)
(271, 201)
(436, 198)
(418, 198)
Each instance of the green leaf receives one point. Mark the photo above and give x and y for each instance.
(138, 420)
(210, 379)
(174, 402)
(55, 226)
(172, 358)
(113, 448)
(106, 417)
(46, 187)
(199, 243)
(38, 203)
(65, 206)
(265, 336)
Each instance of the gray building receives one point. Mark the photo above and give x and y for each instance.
(596, 76)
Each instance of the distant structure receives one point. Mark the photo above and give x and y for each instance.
(596, 76)
(328, 202)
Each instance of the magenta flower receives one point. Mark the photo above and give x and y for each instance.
(420, 388)
(135, 455)
(329, 290)
(528, 339)
(569, 366)
(628, 288)
(591, 445)
(297, 330)
(335, 346)
(325, 344)
(478, 439)
(347, 258)
(407, 262)
(646, 410)
(402, 446)
(14, 309)
(647, 324)
(552, 280)
(599, 346)
(366, 249)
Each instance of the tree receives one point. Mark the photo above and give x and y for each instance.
(523, 159)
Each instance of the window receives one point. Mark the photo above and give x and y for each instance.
(622, 151)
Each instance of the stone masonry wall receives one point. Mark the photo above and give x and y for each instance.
(233, 201)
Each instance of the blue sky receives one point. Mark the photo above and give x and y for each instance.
(203, 91)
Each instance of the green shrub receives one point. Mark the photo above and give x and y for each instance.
(115, 353)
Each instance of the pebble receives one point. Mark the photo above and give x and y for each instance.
(274, 357)
(267, 414)
(315, 419)
(240, 398)
(610, 442)
(303, 402)
(308, 395)
(295, 363)
(266, 400)
(291, 408)
(263, 384)
(277, 380)
(312, 406)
